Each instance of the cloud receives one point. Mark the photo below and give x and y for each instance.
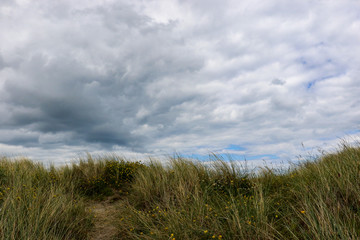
(277, 81)
(156, 77)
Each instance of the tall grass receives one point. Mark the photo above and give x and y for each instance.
(318, 199)
(35, 204)
(40, 203)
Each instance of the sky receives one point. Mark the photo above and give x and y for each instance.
(259, 80)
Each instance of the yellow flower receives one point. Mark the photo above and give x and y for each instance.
(302, 211)
(206, 231)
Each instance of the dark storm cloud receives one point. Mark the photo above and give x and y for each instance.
(96, 74)
(51, 98)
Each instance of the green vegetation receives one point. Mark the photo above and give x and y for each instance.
(319, 199)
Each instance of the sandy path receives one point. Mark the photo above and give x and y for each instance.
(105, 219)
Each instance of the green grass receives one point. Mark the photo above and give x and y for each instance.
(318, 199)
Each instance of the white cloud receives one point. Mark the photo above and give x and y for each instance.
(162, 76)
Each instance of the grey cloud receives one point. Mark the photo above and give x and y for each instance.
(2, 63)
(95, 94)
(116, 16)
(6, 3)
(108, 75)
(277, 81)
(19, 137)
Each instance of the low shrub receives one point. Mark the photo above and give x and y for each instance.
(112, 175)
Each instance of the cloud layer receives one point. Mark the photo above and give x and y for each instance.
(162, 76)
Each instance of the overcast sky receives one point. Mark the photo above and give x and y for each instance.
(253, 78)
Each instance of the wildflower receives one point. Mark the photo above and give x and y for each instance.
(302, 211)
(220, 236)
(213, 236)
(206, 231)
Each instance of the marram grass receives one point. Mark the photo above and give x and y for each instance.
(318, 199)
(36, 204)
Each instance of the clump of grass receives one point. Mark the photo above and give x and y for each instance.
(326, 197)
(189, 201)
(34, 206)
